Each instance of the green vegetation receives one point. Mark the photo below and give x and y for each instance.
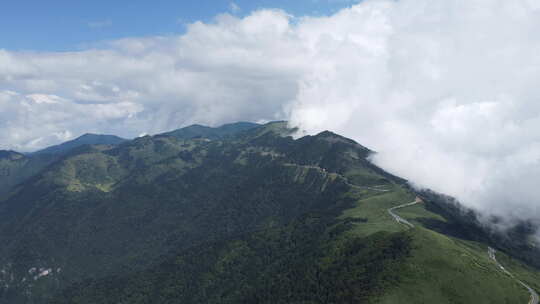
(302, 262)
(521, 271)
(86, 139)
(198, 131)
(442, 268)
(243, 214)
(16, 168)
(445, 270)
(373, 210)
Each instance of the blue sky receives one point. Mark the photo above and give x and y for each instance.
(62, 25)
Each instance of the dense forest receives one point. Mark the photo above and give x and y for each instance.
(239, 214)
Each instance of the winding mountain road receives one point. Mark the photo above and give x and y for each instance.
(534, 296)
(398, 218)
(491, 252)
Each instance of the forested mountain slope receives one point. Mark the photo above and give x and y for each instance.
(221, 132)
(16, 168)
(86, 139)
(251, 217)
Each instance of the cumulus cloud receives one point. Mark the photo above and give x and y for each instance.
(446, 91)
(229, 70)
(36, 120)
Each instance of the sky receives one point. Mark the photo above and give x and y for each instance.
(66, 25)
(446, 91)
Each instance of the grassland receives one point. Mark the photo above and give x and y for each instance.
(441, 269)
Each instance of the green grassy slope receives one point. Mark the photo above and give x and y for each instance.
(253, 218)
(442, 268)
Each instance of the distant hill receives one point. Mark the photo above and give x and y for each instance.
(86, 139)
(16, 167)
(195, 131)
(10, 155)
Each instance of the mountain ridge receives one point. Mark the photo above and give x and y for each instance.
(85, 139)
(9, 154)
(222, 131)
(257, 216)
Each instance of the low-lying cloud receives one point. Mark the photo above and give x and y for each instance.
(446, 91)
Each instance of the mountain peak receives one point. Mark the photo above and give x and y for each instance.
(85, 139)
(335, 138)
(280, 128)
(90, 135)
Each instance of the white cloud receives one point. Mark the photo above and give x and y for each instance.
(229, 70)
(446, 91)
(33, 121)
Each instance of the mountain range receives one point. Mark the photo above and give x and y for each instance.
(243, 213)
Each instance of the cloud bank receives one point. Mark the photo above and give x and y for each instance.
(446, 91)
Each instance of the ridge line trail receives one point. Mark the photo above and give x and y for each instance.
(491, 252)
(377, 188)
(534, 296)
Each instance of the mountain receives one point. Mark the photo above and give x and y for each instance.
(10, 155)
(195, 131)
(252, 217)
(16, 167)
(86, 139)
